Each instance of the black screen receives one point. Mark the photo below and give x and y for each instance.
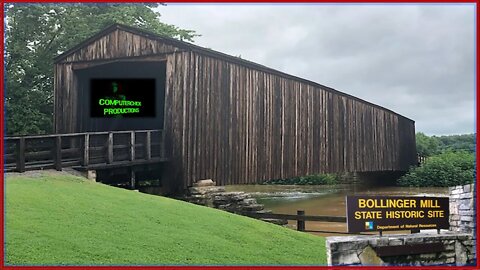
(122, 98)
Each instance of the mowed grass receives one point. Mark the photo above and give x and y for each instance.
(59, 219)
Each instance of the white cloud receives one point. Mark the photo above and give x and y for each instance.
(417, 60)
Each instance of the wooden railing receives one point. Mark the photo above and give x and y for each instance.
(420, 159)
(301, 218)
(86, 150)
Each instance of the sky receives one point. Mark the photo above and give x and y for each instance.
(417, 60)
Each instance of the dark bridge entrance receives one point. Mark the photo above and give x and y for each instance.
(134, 152)
(139, 80)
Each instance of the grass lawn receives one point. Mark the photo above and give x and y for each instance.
(58, 219)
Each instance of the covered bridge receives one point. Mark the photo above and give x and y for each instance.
(224, 118)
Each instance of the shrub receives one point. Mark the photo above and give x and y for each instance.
(442, 170)
(315, 179)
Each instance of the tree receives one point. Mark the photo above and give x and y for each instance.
(426, 146)
(464, 142)
(442, 170)
(36, 33)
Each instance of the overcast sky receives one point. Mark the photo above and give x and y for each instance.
(417, 60)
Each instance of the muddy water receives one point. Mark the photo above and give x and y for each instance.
(322, 200)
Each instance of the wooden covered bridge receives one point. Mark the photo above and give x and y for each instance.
(210, 115)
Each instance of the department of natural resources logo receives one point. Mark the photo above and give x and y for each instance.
(369, 225)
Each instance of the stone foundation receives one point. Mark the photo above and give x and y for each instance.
(462, 208)
(360, 250)
(204, 192)
(463, 214)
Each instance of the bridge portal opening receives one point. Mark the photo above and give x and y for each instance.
(121, 96)
(124, 95)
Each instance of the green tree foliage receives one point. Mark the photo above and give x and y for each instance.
(426, 146)
(36, 33)
(442, 170)
(464, 142)
(431, 145)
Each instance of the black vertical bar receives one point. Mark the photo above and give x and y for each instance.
(162, 144)
(148, 145)
(300, 223)
(21, 155)
(58, 153)
(163, 149)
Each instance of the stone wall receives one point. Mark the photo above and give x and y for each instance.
(463, 214)
(361, 250)
(462, 208)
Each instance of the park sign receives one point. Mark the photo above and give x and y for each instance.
(396, 213)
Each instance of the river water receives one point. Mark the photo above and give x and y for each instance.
(322, 200)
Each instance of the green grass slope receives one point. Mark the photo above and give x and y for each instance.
(55, 218)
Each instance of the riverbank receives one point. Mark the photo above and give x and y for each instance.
(55, 218)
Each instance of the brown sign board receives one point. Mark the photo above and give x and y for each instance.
(396, 213)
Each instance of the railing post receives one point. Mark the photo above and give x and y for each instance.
(58, 153)
(162, 143)
(300, 223)
(86, 149)
(132, 179)
(132, 145)
(110, 148)
(148, 145)
(21, 155)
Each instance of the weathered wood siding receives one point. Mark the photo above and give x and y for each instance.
(239, 125)
(119, 44)
(66, 99)
(238, 122)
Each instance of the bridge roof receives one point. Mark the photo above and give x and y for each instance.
(186, 46)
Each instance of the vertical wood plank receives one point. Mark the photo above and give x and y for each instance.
(132, 179)
(109, 157)
(132, 145)
(58, 153)
(86, 150)
(148, 145)
(21, 155)
(300, 223)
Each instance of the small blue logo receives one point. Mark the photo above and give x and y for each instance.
(369, 225)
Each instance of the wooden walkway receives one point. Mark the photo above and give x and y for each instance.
(88, 150)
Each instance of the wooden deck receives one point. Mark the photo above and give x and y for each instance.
(87, 150)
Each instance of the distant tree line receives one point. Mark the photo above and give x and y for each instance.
(433, 145)
(450, 161)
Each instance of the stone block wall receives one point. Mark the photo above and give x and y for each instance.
(360, 250)
(463, 214)
(462, 208)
